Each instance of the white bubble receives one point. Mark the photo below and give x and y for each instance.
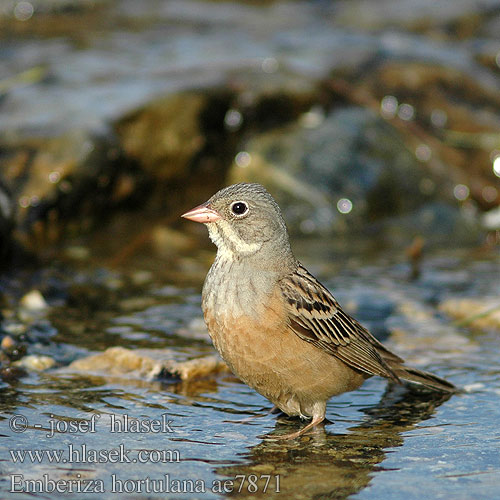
(461, 192)
(54, 177)
(423, 152)
(24, 202)
(344, 205)
(23, 11)
(388, 106)
(243, 159)
(233, 119)
(496, 166)
(406, 112)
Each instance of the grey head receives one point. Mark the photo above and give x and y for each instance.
(244, 221)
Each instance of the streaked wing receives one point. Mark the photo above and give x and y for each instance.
(316, 317)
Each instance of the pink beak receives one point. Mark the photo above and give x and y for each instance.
(202, 213)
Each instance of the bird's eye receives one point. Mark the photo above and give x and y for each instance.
(239, 208)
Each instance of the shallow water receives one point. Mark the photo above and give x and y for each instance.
(380, 440)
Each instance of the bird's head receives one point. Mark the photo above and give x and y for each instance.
(244, 220)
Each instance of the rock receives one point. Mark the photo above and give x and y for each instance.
(77, 252)
(63, 184)
(348, 170)
(32, 307)
(149, 364)
(440, 223)
(442, 123)
(35, 362)
(196, 329)
(88, 127)
(428, 17)
(12, 350)
(482, 313)
(165, 135)
(10, 8)
(8, 343)
(198, 368)
(166, 240)
(33, 301)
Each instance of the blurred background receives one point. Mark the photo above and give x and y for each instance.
(358, 116)
(374, 124)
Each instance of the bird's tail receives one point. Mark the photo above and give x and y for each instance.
(425, 379)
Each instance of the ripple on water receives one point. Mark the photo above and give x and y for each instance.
(398, 443)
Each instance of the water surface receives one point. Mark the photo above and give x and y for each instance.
(380, 440)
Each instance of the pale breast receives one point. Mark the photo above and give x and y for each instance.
(248, 323)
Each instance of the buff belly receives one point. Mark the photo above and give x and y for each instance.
(265, 354)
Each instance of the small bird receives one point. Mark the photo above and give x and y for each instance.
(276, 326)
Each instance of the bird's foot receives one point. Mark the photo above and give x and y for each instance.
(313, 423)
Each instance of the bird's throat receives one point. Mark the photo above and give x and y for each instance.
(229, 243)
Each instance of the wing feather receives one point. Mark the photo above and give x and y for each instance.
(316, 317)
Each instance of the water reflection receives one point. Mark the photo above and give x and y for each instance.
(329, 465)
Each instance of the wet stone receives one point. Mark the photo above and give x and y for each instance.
(474, 312)
(148, 364)
(164, 135)
(37, 363)
(7, 343)
(33, 301)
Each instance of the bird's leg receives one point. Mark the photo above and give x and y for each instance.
(313, 423)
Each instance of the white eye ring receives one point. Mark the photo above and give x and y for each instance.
(239, 208)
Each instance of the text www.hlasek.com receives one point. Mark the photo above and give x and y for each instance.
(83, 454)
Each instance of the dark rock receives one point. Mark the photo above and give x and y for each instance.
(165, 135)
(64, 185)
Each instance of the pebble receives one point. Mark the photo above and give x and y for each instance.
(7, 343)
(34, 301)
(35, 363)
